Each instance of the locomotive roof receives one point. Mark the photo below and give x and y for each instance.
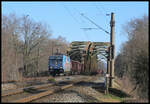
(56, 56)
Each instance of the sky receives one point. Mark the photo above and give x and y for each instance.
(64, 18)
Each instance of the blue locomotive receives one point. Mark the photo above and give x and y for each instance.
(59, 64)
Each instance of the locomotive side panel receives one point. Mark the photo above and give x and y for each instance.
(66, 64)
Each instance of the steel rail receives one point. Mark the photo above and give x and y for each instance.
(22, 89)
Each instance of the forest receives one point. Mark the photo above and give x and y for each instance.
(26, 46)
(133, 60)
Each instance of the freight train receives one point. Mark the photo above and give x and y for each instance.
(63, 64)
(60, 63)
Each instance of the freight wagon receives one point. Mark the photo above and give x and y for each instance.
(76, 67)
(62, 64)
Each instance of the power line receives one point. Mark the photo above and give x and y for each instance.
(74, 18)
(103, 8)
(79, 14)
(70, 13)
(88, 28)
(105, 14)
(95, 24)
(99, 9)
(84, 29)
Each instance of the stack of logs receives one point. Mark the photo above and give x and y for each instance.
(87, 53)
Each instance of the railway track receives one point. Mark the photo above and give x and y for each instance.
(39, 91)
(42, 94)
(22, 89)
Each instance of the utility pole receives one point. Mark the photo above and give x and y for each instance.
(112, 50)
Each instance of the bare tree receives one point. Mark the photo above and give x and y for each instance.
(10, 39)
(26, 46)
(34, 34)
(134, 56)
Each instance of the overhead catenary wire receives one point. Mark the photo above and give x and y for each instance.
(98, 9)
(69, 12)
(84, 29)
(88, 28)
(75, 19)
(104, 12)
(95, 24)
(102, 7)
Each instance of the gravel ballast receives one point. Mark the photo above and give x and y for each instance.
(73, 94)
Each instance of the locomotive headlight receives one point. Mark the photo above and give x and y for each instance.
(61, 67)
(51, 67)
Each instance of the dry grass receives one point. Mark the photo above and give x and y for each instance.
(126, 86)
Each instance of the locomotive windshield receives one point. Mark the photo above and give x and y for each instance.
(56, 61)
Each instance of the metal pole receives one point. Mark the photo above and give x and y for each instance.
(112, 24)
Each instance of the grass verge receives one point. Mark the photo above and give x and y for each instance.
(51, 80)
